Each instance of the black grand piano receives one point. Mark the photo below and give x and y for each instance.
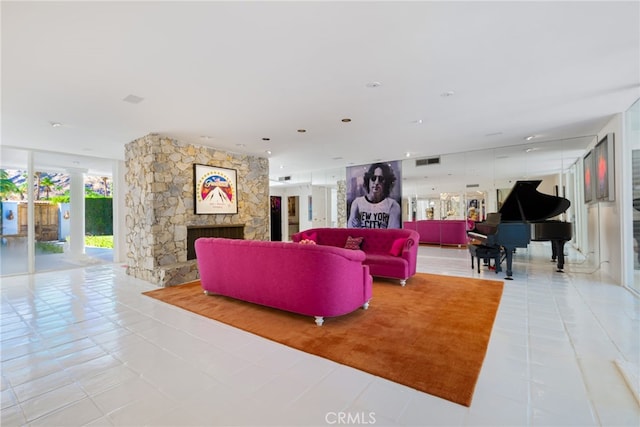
(524, 216)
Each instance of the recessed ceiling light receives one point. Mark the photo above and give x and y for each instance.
(447, 94)
(346, 120)
(529, 138)
(418, 122)
(373, 84)
(302, 130)
(407, 154)
(55, 124)
(268, 152)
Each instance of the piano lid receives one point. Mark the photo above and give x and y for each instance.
(525, 203)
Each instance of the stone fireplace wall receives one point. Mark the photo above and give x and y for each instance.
(342, 204)
(160, 204)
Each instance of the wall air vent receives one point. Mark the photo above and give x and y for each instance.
(284, 178)
(473, 185)
(428, 161)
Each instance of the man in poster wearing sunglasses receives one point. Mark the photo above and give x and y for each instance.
(376, 209)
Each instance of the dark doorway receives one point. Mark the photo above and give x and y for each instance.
(276, 218)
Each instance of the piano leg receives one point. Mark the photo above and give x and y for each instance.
(508, 252)
(554, 251)
(497, 261)
(558, 246)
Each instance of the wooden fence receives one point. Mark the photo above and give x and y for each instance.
(46, 221)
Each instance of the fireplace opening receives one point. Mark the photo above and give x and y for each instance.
(229, 231)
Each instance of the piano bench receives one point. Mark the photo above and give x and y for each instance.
(486, 253)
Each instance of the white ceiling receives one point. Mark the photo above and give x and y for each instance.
(238, 72)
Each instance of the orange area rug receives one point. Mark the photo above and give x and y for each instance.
(430, 335)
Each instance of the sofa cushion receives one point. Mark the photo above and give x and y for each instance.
(383, 260)
(353, 242)
(397, 246)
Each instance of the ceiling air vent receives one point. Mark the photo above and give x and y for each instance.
(428, 161)
(284, 178)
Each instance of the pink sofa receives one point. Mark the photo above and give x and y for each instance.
(441, 232)
(312, 280)
(383, 259)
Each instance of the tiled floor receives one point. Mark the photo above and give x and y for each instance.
(13, 259)
(84, 347)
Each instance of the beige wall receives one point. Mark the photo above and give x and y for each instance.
(606, 215)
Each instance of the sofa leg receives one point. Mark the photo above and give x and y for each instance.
(207, 293)
(403, 282)
(365, 305)
(319, 320)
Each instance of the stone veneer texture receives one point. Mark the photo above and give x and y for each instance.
(160, 204)
(342, 204)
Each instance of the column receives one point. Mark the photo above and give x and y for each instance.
(76, 211)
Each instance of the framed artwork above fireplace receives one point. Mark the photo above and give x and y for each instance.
(215, 190)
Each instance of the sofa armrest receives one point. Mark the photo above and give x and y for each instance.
(406, 249)
(407, 246)
(410, 253)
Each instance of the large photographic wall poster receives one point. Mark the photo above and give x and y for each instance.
(374, 195)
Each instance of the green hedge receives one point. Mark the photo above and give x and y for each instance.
(98, 216)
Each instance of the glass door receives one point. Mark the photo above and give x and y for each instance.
(44, 195)
(13, 198)
(45, 199)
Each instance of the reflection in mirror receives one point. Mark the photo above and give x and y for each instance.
(463, 174)
(488, 170)
(328, 177)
